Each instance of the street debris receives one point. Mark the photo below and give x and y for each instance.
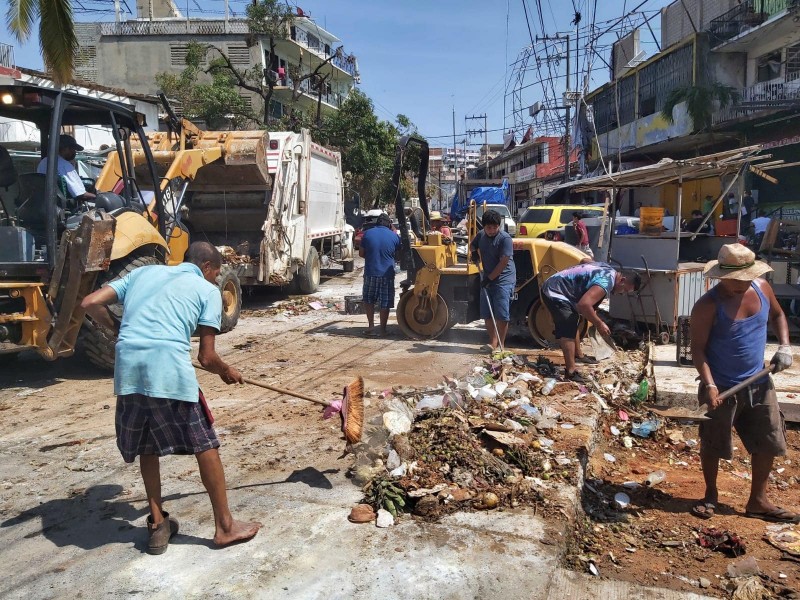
(785, 537)
(291, 307)
(503, 435)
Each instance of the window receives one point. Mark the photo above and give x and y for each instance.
(768, 66)
(566, 215)
(793, 62)
(537, 215)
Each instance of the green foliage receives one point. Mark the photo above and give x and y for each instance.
(367, 145)
(701, 102)
(270, 18)
(57, 40)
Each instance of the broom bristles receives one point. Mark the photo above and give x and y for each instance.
(353, 411)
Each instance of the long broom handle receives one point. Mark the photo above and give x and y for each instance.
(274, 388)
(740, 386)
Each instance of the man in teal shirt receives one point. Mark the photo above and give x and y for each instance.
(160, 409)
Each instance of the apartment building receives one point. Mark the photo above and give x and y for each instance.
(157, 41)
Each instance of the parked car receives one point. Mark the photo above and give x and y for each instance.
(622, 226)
(537, 221)
(508, 221)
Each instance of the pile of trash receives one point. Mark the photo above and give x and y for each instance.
(236, 256)
(501, 436)
(293, 306)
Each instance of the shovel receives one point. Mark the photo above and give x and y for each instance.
(603, 347)
(679, 413)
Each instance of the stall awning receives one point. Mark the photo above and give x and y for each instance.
(668, 171)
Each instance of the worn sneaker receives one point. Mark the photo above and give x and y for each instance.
(587, 360)
(576, 377)
(161, 534)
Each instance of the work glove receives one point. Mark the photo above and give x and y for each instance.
(782, 359)
(475, 257)
(486, 282)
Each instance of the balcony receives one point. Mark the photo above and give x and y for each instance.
(333, 100)
(174, 27)
(345, 63)
(748, 17)
(774, 95)
(7, 56)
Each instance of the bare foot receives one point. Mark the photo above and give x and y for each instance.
(239, 531)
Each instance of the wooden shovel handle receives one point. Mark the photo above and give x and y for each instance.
(750, 380)
(273, 388)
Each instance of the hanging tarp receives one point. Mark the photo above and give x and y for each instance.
(489, 195)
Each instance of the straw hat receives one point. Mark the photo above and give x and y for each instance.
(736, 261)
(436, 215)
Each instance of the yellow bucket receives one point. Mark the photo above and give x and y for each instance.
(651, 220)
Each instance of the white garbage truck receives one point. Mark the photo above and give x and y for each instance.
(278, 216)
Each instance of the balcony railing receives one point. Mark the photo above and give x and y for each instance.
(334, 99)
(313, 43)
(776, 94)
(746, 16)
(7, 56)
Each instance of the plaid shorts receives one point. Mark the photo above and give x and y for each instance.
(379, 290)
(161, 426)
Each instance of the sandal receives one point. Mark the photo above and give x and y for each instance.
(587, 360)
(703, 510)
(776, 515)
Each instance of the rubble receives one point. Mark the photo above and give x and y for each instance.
(291, 307)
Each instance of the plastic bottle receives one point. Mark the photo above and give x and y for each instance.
(655, 478)
(549, 385)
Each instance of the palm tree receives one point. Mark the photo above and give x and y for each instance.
(57, 39)
(701, 101)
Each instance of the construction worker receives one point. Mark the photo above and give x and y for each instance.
(160, 408)
(496, 251)
(439, 223)
(577, 292)
(73, 184)
(729, 336)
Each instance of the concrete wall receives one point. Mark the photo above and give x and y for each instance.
(645, 132)
(678, 18)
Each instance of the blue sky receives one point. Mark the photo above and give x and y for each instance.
(423, 58)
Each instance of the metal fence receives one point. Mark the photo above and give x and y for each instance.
(174, 27)
(768, 95)
(745, 16)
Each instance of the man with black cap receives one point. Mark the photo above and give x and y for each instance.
(67, 149)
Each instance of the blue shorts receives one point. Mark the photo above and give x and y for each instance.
(500, 294)
(378, 290)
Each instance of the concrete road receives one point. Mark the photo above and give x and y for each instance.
(72, 514)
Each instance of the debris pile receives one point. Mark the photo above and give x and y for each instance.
(293, 306)
(504, 435)
(236, 256)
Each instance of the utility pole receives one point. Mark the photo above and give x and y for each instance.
(560, 38)
(455, 150)
(484, 131)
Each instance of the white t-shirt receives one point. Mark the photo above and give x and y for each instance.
(74, 183)
(760, 224)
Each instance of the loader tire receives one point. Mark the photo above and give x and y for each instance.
(308, 274)
(97, 341)
(231, 290)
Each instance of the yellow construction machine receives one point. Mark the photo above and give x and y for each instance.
(442, 290)
(55, 249)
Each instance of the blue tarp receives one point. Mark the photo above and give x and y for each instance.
(490, 195)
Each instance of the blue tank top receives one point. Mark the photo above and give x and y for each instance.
(735, 349)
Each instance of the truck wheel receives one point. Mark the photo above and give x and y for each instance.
(97, 341)
(231, 290)
(308, 275)
(349, 266)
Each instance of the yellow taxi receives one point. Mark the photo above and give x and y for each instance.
(538, 220)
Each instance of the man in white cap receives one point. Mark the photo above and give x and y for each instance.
(729, 336)
(67, 150)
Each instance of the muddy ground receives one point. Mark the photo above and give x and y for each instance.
(653, 541)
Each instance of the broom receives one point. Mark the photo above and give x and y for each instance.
(350, 408)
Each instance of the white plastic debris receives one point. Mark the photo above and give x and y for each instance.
(567, 426)
(385, 518)
(487, 392)
(562, 461)
(527, 377)
(398, 419)
(430, 403)
(514, 425)
(627, 441)
(609, 457)
(545, 442)
(614, 430)
(400, 471)
(593, 570)
(631, 485)
(393, 460)
(622, 500)
(500, 387)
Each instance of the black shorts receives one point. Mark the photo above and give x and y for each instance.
(565, 318)
(161, 426)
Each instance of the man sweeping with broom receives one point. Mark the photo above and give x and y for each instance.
(160, 409)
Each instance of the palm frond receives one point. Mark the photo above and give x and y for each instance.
(57, 38)
(20, 16)
(674, 98)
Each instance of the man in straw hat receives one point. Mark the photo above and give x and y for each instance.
(729, 336)
(438, 223)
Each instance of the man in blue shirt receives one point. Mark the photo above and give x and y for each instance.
(496, 250)
(575, 293)
(160, 409)
(378, 249)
